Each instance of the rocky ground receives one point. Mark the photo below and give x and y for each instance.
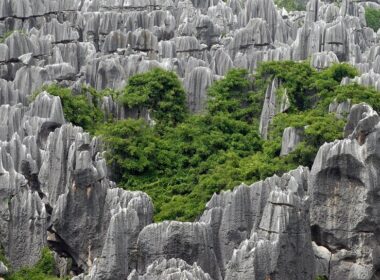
(54, 188)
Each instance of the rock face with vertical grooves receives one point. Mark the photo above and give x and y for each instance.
(273, 105)
(344, 195)
(175, 269)
(277, 240)
(291, 137)
(191, 242)
(38, 209)
(54, 187)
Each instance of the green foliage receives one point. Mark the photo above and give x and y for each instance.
(161, 92)
(372, 17)
(234, 95)
(357, 93)
(175, 167)
(296, 77)
(81, 109)
(291, 5)
(3, 259)
(319, 277)
(184, 159)
(43, 270)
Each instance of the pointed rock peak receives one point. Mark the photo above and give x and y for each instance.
(363, 119)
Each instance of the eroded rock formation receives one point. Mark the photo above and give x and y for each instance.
(54, 188)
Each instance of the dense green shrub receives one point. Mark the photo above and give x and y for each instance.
(372, 17)
(292, 5)
(161, 92)
(80, 109)
(183, 163)
(43, 270)
(183, 159)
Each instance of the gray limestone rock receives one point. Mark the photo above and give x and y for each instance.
(102, 43)
(343, 193)
(111, 217)
(282, 237)
(196, 84)
(291, 137)
(27, 228)
(323, 60)
(3, 269)
(233, 216)
(221, 63)
(114, 40)
(360, 113)
(118, 256)
(275, 102)
(191, 242)
(336, 40)
(322, 260)
(341, 109)
(18, 44)
(175, 269)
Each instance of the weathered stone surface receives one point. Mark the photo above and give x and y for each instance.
(233, 216)
(27, 228)
(191, 242)
(323, 60)
(95, 207)
(101, 44)
(360, 115)
(175, 269)
(118, 255)
(3, 269)
(197, 83)
(341, 109)
(344, 194)
(273, 104)
(290, 139)
(278, 239)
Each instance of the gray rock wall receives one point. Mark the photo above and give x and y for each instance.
(343, 189)
(91, 42)
(54, 188)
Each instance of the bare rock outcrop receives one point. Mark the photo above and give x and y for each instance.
(3, 269)
(282, 236)
(175, 269)
(54, 187)
(191, 242)
(291, 137)
(273, 105)
(344, 194)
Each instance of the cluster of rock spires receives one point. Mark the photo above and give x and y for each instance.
(54, 188)
(54, 191)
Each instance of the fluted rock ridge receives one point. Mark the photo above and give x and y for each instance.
(75, 41)
(343, 192)
(54, 188)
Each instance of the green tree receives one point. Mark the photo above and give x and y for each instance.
(160, 91)
(182, 162)
(81, 109)
(43, 270)
(372, 17)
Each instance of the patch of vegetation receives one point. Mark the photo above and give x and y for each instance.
(43, 270)
(160, 91)
(182, 163)
(183, 159)
(291, 5)
(372, 17)
(81, 109)
(3, 259)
